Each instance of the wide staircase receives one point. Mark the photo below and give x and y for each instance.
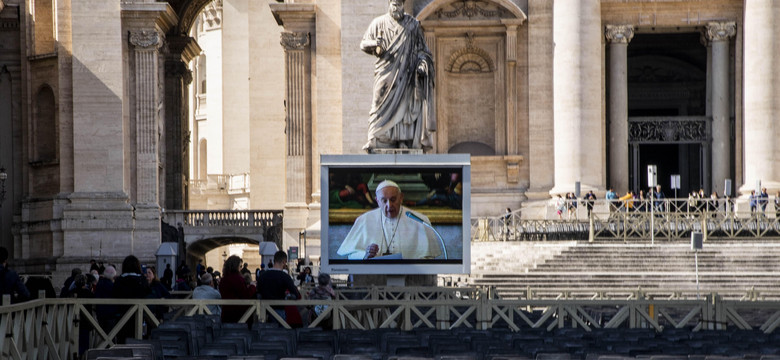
(730, 268)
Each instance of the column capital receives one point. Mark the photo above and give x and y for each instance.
(720, 31)
(178, 69)
(145, 39)
(619, 34)
(294, 40)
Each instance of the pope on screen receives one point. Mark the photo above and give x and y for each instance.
(391, 231)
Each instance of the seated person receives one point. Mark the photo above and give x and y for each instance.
(389, 230)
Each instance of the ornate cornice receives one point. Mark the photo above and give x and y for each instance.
(145, 38)
(721, 31)
(472, 9)
(619, 34)
(294, 40)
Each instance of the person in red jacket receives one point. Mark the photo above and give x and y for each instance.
(233, 286)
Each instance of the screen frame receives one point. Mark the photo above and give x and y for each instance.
(399, 161)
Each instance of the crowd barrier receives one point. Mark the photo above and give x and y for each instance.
(48, 328)
(670, 219)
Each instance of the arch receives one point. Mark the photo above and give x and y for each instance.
(200, 247)
(188, 12)
(45, 125)
(472, 147)
(435, 5)
(470, 60)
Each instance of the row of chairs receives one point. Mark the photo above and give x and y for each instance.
(205, 336)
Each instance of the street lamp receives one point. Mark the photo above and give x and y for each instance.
(3, 177)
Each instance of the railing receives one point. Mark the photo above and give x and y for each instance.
(227, 183)
(233, 218)
(635, 219)
(49, 328)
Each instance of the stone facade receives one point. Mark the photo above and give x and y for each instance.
(94, 105)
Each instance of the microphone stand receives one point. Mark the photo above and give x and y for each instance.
(441, 241)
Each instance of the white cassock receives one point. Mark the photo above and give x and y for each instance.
(401, 235)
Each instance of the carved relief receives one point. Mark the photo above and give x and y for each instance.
(659, 131)
(472, 9)
(619, 34)
(212, 15)
(721, 31)
(145, 38)
(294, 40)
(470, 59)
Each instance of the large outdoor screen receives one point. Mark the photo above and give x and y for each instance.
(419, 223)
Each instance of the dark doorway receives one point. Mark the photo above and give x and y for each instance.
(667, 83)
(671, 159)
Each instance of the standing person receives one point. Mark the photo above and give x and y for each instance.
(11, 284)
(401, 113)
(571, 203)
(206, 291)
(167, 278)
(612, 199)
(777, 205)
(132, 284)
(305, 277)
(245, 269)
(157, 291)
(275, 284)
(763, 199)
(233, 286)
(560, 206)
(66, 286)
(659, 197)
(753, 201)
(81, 290)
(105, 286)
(200, 269)
(590, 200)
(507, 223)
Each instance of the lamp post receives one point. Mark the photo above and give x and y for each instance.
(3, 177)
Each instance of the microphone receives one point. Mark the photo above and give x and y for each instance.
(416, 218)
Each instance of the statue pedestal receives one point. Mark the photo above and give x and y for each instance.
(393, 151)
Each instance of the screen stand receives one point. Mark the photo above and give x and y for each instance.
(396, 280)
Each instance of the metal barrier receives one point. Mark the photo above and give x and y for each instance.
(48, 328)
(670, 219)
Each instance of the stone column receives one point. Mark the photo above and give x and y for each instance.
(618, 37)
(145, 45)
(718, 33)
(577, 90)
(181, 50)
(511, 89)
(297, 40)
(297, 70)
(761, 95)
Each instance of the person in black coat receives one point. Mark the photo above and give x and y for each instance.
(130, 285)
(10, 284)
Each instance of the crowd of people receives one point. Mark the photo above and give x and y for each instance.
(696, 204)
(137, 281)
